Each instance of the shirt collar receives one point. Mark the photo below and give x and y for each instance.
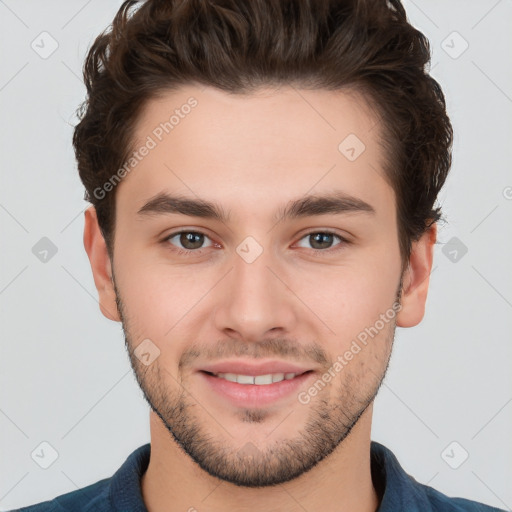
(395, 488)
(125, 492)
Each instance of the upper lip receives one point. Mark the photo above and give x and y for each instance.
(246, 368)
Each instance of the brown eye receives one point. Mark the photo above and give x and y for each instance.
(191, 240)
(188, 240)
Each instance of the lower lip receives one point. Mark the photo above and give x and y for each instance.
(254, 395)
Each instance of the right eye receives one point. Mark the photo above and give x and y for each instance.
(191, 241)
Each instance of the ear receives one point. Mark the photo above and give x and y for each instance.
(416, 279)
(96, 249)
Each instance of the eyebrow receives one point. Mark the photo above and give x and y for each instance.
(335, 202)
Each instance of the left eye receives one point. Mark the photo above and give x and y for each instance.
(322, 239)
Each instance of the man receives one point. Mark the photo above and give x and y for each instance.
(262, 177)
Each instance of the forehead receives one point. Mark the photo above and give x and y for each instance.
(256, 149)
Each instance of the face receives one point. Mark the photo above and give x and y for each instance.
(259, 311)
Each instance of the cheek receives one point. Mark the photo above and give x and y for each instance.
(352, 296)
(157, 299)
(357, 306)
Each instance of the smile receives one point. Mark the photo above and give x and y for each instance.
(260, 380)
(242, 390)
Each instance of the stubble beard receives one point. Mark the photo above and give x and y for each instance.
(331, 417)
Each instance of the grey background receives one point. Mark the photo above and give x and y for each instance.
(65, 377)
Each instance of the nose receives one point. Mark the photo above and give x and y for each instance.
(255, 300)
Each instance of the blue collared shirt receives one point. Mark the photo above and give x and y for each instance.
(122, 492)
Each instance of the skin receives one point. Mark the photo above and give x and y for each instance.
(253, 154)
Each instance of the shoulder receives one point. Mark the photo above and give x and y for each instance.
(88, 499)
(121, 491)
(400, 491)
(443, 503)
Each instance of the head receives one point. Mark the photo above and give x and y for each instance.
(304, 147)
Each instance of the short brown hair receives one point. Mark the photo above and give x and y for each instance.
(366, 46)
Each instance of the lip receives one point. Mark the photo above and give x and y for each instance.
(254, 395)
(246, 368)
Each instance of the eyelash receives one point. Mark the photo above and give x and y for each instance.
(196, 252)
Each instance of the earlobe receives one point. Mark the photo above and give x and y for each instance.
(96, 249)
(416, 280)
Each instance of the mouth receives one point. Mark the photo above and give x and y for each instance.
(258, 380)
(250, 391)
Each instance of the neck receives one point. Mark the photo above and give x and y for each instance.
(174, 482)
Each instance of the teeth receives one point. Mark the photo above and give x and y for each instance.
(244, 379)
(263, 379)
(259, 380)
